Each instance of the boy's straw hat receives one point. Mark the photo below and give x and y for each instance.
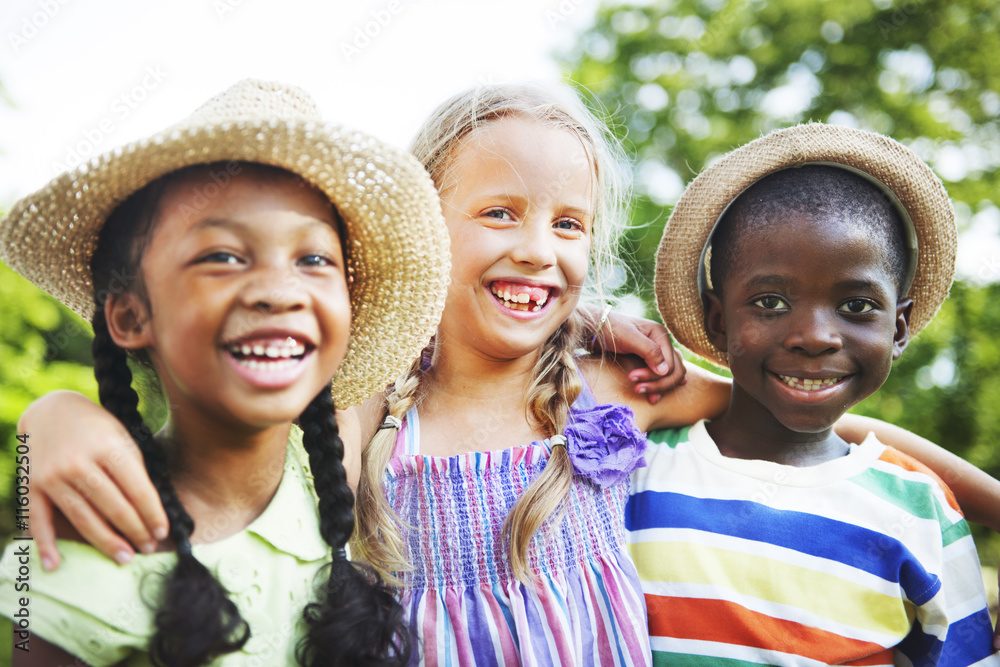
(396, 241)
(909, 183)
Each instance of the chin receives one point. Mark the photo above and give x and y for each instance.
(810, 423)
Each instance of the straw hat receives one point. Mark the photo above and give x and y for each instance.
(396, 240)
(908, 182)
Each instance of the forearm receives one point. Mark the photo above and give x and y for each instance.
(977, 492)
(705, 395)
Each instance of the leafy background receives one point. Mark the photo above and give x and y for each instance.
(685, 81)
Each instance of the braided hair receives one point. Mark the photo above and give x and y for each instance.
(195, 621)
(357, 620)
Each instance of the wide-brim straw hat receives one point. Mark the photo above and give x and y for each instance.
(907, 181)
(396, 245)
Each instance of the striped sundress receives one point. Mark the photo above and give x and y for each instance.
(463, 603)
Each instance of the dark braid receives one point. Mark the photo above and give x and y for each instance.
(195, 621)
(357, 620)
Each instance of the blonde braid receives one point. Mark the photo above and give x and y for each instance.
(555, 387)
(377, 536)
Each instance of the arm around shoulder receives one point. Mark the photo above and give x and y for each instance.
(85, 464)
(703, 395)
(977, 492)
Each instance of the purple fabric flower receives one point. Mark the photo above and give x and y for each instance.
(604, 444)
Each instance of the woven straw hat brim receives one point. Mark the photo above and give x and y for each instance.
(898, 171)
(396, 247)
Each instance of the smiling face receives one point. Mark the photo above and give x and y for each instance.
(248, 309)
(519, 204)
(809, 318)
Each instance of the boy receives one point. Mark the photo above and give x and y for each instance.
(762, 537)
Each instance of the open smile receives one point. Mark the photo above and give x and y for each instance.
(519, 296)
(810, 384)
(268, 360)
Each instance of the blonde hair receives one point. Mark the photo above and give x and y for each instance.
(555, 382)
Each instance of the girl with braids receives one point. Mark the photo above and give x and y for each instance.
(229, 278)
(493, 492)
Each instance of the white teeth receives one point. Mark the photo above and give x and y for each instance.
(809, 384)
(523, 298)
(280, 365)
(537, 308)
(296, 349)
(541, 302)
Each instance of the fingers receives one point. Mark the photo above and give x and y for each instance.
(143, 501)
(92, 527)
(99, 500)
(43, 533)
(660, 358)
(654, 386)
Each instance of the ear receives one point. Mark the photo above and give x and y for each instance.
(128, 321)
(715, 320)
(901, 337)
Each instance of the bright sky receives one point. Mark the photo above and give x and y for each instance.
(86, 76)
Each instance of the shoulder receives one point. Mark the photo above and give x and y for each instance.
(913, 476)
(88, 596)
(704, 395)
(608, 378)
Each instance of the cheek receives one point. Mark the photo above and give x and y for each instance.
(577, 262)
(338, 309)
(741, 338)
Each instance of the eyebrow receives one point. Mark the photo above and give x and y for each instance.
(770, 280)
(854, 285)
(230, 223)
(862, 285)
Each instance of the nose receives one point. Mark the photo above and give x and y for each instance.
(272, 289)
(534, 245)
(813, 331)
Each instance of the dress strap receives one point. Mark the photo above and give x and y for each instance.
(408, 436)
(586, 399)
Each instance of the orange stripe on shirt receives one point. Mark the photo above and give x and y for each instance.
(907, 462)
(730, 623)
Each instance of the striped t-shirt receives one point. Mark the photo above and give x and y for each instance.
(861, 560)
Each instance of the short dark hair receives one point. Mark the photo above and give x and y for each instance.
(811, 190)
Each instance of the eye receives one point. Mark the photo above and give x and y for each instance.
(856, 306)
(220, 257)
(316, 260)
(498, 213)
(568, 224)
(771, 302)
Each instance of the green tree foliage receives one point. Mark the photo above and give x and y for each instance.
(43, 347)
(689, 80)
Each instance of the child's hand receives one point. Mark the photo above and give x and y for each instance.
(623, 334)
(86, 465)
